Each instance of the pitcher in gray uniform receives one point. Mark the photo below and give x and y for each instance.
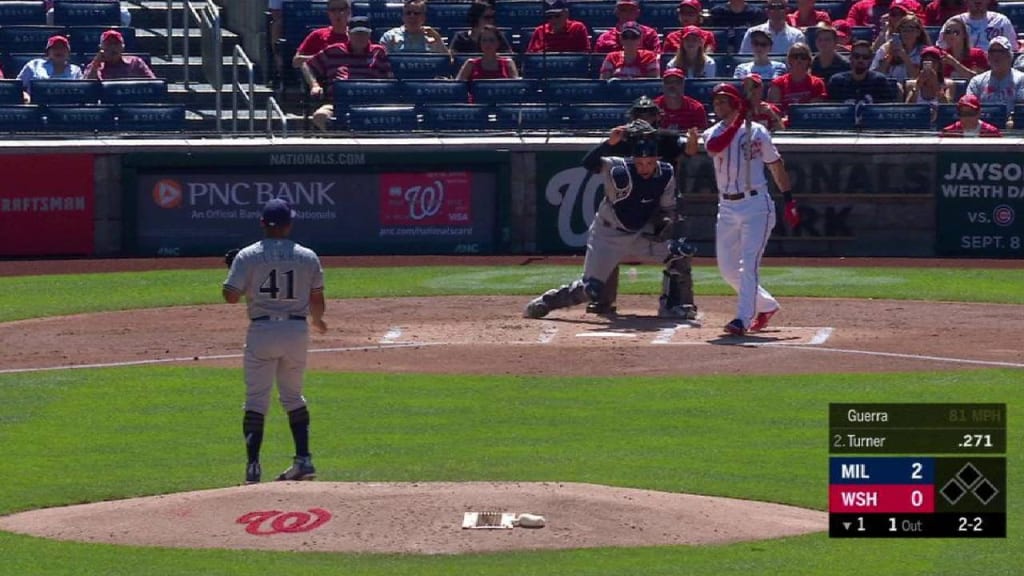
(639, 192)
(283, 284)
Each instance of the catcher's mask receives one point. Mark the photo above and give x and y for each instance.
(643, 106)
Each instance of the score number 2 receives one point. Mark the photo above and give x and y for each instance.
(966, 524)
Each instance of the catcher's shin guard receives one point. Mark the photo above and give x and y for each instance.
(566, 295)
(605, 302)
(683, 268)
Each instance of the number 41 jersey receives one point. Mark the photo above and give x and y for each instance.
(277, 276)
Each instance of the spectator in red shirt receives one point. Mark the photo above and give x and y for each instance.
(874, 13)
(110, 63)
(679, 112)
(762, 112)
(798, 86)
(970, 125)
(488, 66)
(938, 11)
(959, 58)
(689, 16)
(628, 11)
(356, 59)
(844, 35)
(805, 15)
(560, 33)
(632, 61)
(338, 12)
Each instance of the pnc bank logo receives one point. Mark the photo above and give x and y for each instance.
(168, 193)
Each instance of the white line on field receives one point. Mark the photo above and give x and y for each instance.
(605, 335)
(665, 334)
(547, 333)
(821, 336)
(393, 333)
(899, 355)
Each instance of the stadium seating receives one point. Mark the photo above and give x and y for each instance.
(700, 88)
(435, 91)
(1014, 11)
(26, 38)
(528, 117)
(379, 119)
(596, 14)
(574, 90)
(521, 13)
(995, 114)
(86, 39)
(366, 93)
(660, 13)
(822, 117)
(727, 40)
(1018, 116)
(626, 91)
(19, 13)
(80, 118)
(446, 15)
(10, 92)
(504, 91)
(133, 91)
(151, 118)
(555, 65)
(895, 117)
(408, 65)
(94, 13)
(460, 117)
(836, 10)
(862, 33)
(20, 118)
(13, 63)
(595, 116)
(387, 14)
(51, 92)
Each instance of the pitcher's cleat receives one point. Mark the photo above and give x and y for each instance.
(301, 469)
(253, 472)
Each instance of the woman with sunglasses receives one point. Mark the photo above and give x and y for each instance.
(489, 65)
(413, 35)
(632, 61)
(931, 85)
(468, 41)
(899, 57)
(960, 59)
(690, 56)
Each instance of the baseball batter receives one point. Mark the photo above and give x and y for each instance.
(637, 191)
(740, 150)
(283, 284)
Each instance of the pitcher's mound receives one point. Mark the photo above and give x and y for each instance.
(416, 518)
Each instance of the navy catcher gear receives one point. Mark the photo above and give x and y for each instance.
(593, 288)
(680, 248)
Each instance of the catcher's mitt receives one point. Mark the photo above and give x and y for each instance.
(229, 256)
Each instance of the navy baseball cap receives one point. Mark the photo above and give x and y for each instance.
(277, 212)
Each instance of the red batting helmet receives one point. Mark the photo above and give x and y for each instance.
(730, 92)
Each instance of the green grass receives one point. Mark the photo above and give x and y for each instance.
(37, 296)
(114, 433)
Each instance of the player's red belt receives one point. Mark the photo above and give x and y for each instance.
(278, 318)
(739, 196)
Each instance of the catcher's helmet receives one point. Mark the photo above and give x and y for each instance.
(643, 105)
(729, 91)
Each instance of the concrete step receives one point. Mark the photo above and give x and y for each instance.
(153, 13)
(154, 40)
(201, 95)
(203, 119)
(173, 69)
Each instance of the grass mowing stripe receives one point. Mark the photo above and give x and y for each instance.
(37, 296)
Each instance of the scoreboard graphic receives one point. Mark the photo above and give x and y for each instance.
(952, 486)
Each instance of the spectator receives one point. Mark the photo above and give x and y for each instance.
(762, 112)
(559, 33)
(690, 57)
(632, 61)
(761, 65)
(689, 15)
(778, 30)
(678, 111)
(983, 25)
(55, 65)
(960, 59)
(355, 59)
(844, 35)
(627, 11)
(970, 124)
(736, 14)
(489, 65)
(861, 84)
(937, 12)
(413, 35)
(827, 61)
(338, 13)
(1002, 84)
(126, 16)
(798, 86)
(875, 13)
(890, 21)
(900, 57)
(931, 85)
(805, 15)
(111, 63)
(467, 41)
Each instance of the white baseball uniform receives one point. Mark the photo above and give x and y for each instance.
(746, 214)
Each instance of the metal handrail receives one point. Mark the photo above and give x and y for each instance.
(272, 109)
(170, 28)
(207, 18)
(236, 87)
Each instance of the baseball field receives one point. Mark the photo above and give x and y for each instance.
(122, 380)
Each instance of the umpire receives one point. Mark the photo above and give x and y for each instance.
(671, 147)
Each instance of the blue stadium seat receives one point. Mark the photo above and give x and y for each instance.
(366, 93)
(504, 91)
(460, 59)
(20, 118)
(80, 118)
(1018, 115)
(822, 117)
(408, 65)
(895, 117)
(660, 14)
(85, 39)
(460, 117)
(1012, 10)
(26, 38)
(574, 90)
(626, 91)
(555, 65)
(862, 33)
(596, 116)
(725, 65)
(13, 63)
(596, 14)
(960, 88)
(522, 13)
(995, 114)
(384, 13)
(10, 92)
(94, 13)
(133, 91)
(727, 39)
(528, 117)
(445, 15)
(525, 35)
(933, 32)
(151, 118)
(700, 88)
(17, 13)
(435, 91)
(836, 10)
(49, 92)
(380, 119)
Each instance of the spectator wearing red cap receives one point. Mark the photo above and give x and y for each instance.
(875, 13)
(690, 56)
(900, 57)
(890, 21)
(777, 28)
(983, 24)
(689, 16)
(931, 85)
(762, 112)
(827, 61)
(111, 63)
(1002, 84)
(632, 61)
(806, 15)
(798, 86)
(560, 33)
(54, 65)
(937, 12)
(959, 58)
(844, 35)
(970, 124)
(627, 11)
(678, 111)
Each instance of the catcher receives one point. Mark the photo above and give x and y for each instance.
(670, 149)
(639, 202)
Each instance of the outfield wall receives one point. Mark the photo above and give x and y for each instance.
(858, 196)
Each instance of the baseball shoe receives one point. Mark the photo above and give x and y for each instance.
(735, 328)
(536, 309)
(761, 320)
(301, 469)
(601, 308)
(253, 472)
(679, 311)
